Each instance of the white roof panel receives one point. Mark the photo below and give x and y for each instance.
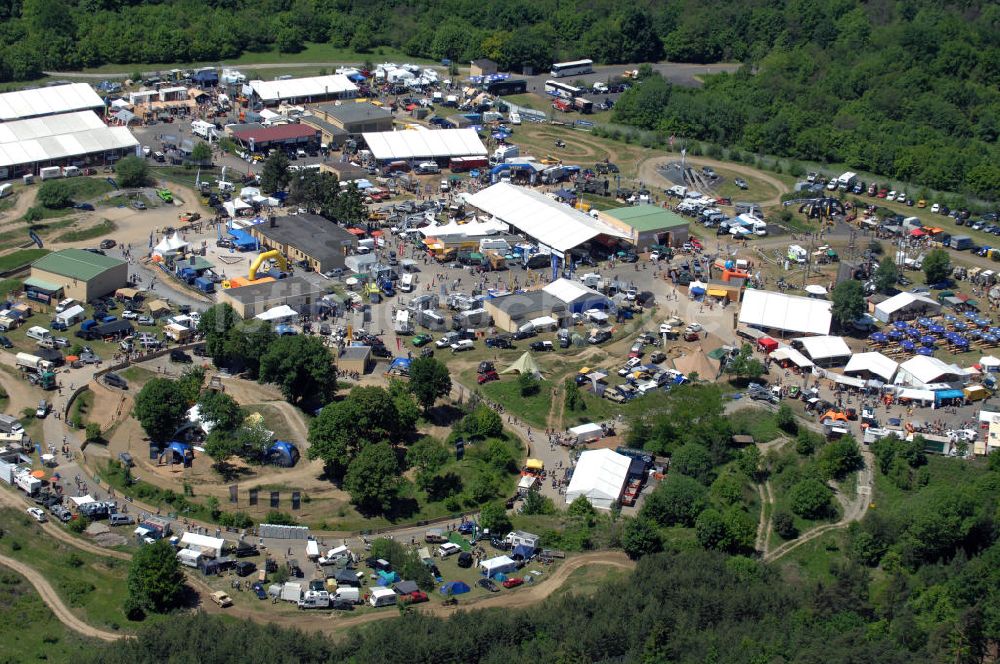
(58, 137)
(923, 369)
(412, 144)
(902, 300)
(295, 88)
(47, 101)
(876, 363)
(552, 223)
(567, 290)
(785, 312)
(822, 348)
(599, 474)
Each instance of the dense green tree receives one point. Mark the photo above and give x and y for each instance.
(216, 326)
(745, 365)
(221, 410)
(936, 266)
(247, 343)
(372, 478)
(886, 275)
(710, 530)
(54, 194)
(160, 408)
(785, 419)
(301, 366)
(535, 504)
(693, 460)
(427, 456)
(155, 582)
(201, 153)
(839, 458)
(494, 517)
(343, 428)
(784, 525)
(349, 206)
(274, 177)
(848, 302)
(677, 500)
(528, 385)
(810, 499)
(483, 422)
(132, 172)
(429, 380)
(640, 537)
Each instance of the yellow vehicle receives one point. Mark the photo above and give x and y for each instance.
(549, 160)
(267, 255)
(921, 203)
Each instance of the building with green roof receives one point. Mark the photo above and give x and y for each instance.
(648, 225)
(82, 275)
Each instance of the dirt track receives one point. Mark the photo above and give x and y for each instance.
(649, 174)
(52, 600)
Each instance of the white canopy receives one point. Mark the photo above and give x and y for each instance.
(543, 218)
(236, 205)
(543, 322)
(789, 353)
(568, 290)
(788, 313)
(586, 432)
(989, 362)
(82, 500)
(297, 88)
(48, 101)
(815, 289)
(921, 370)
(473, 229)
(281, 312)
(599, 477)
(56, 137)
(170, 244)
(915, 394)
(885, 311)
(203, 543)
(417, 144)
(846, 380)
(498, 565)
(876, 363)
(71, 313)
(825, 347)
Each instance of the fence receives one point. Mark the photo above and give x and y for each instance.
(276, 531)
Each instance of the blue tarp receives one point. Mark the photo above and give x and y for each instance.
(455, 588)
(400, 363)
(242, 239)
(949, 394)
(524, 551)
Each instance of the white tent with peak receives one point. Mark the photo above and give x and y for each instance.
(524, 365)
(169, 245)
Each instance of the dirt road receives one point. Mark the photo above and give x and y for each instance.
(52, 600)
(649, 174)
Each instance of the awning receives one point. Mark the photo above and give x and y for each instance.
(915, 395)
(41, 284)
(948, 394)
(846, 380)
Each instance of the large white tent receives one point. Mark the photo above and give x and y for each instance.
(786, 313)
(48, 101)
(169, 245)
(874, 363)
(783, 353)
(424, 144)
(471, 229)
(278, 313)
(498, 565)
(599, 477)
(906, 305)
(824, 348)
(211, 546)
(553, 224)
(923, 370)
(302, 88)
(56, 137)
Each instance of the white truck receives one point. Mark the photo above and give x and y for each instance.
(315, 599)
(847, 180)
(203, 129)
(505, 152)
(32, 362)
(347, 594)
(797, 254)
(50, 173)
(26, 483)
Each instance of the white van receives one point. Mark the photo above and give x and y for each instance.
(448, 549)
(347, 594)
(382, 596)
(6, 189)
(64, 305)
(118, 519)
(71, 171)
(38, 333)
(50, 172)
(407, 282)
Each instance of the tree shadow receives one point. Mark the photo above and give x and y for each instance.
(445, 415)
(230, 472)
(402, 508)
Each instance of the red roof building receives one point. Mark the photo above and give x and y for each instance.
(280, 134)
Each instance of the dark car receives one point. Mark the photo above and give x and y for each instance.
(225, 244)
(541, 346)
(487, 377)
(108, 244)
(341, 605)
(83, 206)
(525, 333)
(499, 342)
(465, 559)
(599, 337)
(114, 380)
(258, 589)
(245, 568)
(488, 584)
(485, 367)
(5, 342)
(180, 356)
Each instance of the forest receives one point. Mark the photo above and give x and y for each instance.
(683, 607)
(907, 89)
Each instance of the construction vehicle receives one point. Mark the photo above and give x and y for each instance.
(496, 261)
(188, 217)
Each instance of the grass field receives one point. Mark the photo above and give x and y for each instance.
(92, 586)
(28, 629)
(184, 176)
(756, 422)
(82, 406)
(100, 230)
(21, 258)
(85, 189)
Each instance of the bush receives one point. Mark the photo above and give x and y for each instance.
(55, 195)
(132, 172)
(810, 499)
(93, 430)
(785, 419)
(784, 525)
(280, 518)
(528, 385)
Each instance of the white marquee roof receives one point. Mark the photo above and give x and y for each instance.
(825, 347)
(876, 363)
(419, 144)
(789, 353)
(56, 137)
(203, 542)
(902, 300)
(552, 223)
(295, 88)
(924, 369)
(568, 290)
(785, 312)
(48, 101)
(599, 476)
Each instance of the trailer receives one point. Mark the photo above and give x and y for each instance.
(382, 596)
(24, 481)
(312, 549)
(32, 363)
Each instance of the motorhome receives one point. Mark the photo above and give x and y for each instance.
(38, 333)
(382, 596)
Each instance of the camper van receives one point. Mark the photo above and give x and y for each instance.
(50, 173)
(448, 549)
(407, 282)
(71, 171)
(38, 333)
(315, 599)
(382, 597)
(204, 129)
(347, 594)
(6, 189)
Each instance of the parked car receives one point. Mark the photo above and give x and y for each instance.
(5, 342)
(222, 599)
(462, 346)
(487, 584)
(114, 380)
(258, 589)
(741, 183)
(146, 320)
(177, 355)
(108, 244)
(418, 339)
(61, 513)
(541, 346)
(37, 514)
(599, 337)
(83, 206)
(487, 377)
(165, 195)
(513, 582)
(138, 204)
(500, 341)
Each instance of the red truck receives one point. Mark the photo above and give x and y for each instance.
(459, 164)
(563, 105)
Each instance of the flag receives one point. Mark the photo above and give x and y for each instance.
(684, 152)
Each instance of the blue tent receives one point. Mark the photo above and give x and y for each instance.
(283, 453)
(522, 551)
(455, 588)
(387, 578)
(177, 452)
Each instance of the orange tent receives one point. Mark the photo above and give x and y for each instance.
(833, 415)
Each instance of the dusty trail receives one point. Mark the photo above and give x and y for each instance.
(649, 174)
(52, 600)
